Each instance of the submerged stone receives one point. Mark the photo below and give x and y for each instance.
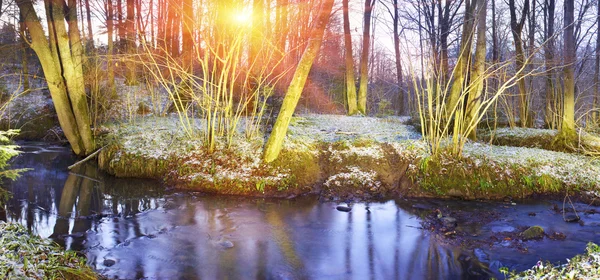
(343, 208)
(571, 218)
(534, 232)
(449, 221)
(225, 244)
(109, 262)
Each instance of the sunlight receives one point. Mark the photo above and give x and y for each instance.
(241, 17)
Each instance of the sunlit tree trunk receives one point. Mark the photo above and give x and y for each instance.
(478, 72)
(350, 81)
(462, 65)
(130, 75)
(364, 58)
(567, 128)
(516, 26)
(275, 142)
(187, 33)
(63, 75)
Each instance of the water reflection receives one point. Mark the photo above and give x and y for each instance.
(149, 233)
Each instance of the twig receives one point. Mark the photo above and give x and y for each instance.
(86, 159)
(85, 177)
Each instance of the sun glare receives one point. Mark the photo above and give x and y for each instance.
(242, 17)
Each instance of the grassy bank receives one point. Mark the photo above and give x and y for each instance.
(584, 266)
(342, 157)
(24, 256)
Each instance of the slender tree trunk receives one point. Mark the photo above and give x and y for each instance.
(121, 31)
(110, 45)
(152, 25)
(516, 26)
(567, 128)
(597, 69)
(187, 33)
(130, 76)
(364, 58)
(350, 81)
(275, 142)
(25, 54)
(478, 73)
(495, 49)
(445, 24)
(90, 40)
(396, 22)
(462, 65)
(176, 31)
(170, 21)
(551, 110)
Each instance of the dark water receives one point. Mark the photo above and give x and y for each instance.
(151, 233)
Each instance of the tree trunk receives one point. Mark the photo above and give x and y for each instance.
(516, 26)
(478, 73)
(187, 33)
(121, 32)
(110, 45)
(400, 105)
(550, 110)
(596, 70)
(495, 49)
(90, 39)
(130, 75)
(64, 77)
(462, 65)
(275, 142)
(567, 128)
(364, 58)
(350, 81)
(25, 54)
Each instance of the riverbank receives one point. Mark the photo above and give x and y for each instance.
(25, 256)
(342, 158)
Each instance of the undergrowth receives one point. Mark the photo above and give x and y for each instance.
(584, 266)
(24, 256)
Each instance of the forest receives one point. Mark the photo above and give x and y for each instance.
(281, 130)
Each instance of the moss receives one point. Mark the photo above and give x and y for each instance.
(480, 177)
(534, 232)
(118, 162)
(531, 138)
(303, 166)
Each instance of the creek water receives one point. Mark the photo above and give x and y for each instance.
(132, 229)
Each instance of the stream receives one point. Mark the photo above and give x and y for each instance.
(132, 229)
